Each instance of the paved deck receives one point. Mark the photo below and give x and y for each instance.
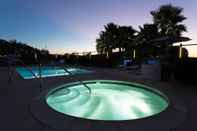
(16, 97)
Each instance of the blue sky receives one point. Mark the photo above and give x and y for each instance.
(73, 25)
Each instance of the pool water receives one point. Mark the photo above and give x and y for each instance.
(48, 71)
(109, 100)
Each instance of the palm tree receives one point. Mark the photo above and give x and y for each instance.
(107, 40)
(115, 36)
(125, 38)
(104, 44)
(100, 45)
(111, 35)
(168, 19)
(148, 32)
(143, 40)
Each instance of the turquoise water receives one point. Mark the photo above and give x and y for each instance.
(48, 71)
(109, 100)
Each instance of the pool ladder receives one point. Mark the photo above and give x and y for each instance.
(40, 75)
(81, 82)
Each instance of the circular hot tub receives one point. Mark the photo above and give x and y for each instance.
(108, 100)
(108, 105)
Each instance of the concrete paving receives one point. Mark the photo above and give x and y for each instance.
(16, 97)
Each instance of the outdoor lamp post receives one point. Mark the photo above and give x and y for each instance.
(107, 55)
(180, 51)
(134, 54)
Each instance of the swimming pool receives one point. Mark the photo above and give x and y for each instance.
(47, 71)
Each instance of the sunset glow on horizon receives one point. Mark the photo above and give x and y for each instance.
(67, 26)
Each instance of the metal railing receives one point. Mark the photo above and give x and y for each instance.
(40, 77)
(28, 68)
(81, 82)
(40, 74)
(37, 77)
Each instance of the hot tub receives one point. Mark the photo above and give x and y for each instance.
(111, 105)
(108, 100)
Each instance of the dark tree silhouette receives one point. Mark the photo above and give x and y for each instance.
(115, 36)
(126, 36)
(143, 40)
(21, 50)
(168, 19)
(104, 45)
(107, 40)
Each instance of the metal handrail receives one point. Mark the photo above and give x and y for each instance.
(22, 61)
(77, 79)
(40, 78)
(40, 75)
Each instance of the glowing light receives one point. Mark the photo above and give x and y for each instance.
(107, 55)
(48, 71)
(180, 51)
(134, 55)
(108, 101)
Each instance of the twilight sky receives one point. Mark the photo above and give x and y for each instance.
(73, 25)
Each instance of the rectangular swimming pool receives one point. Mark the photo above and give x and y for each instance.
(26, 72)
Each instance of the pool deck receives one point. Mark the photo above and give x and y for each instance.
(17, 96)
